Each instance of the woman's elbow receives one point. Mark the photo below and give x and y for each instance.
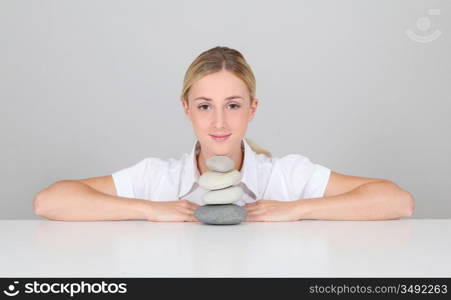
(408, 204)
(40, 201)
(38, 204)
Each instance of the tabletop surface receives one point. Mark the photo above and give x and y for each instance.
(307, 248)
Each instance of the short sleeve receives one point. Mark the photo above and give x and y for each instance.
(135, 181)
(316, 186)
(306, 179)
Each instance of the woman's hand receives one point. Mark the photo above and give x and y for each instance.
(171, 211)
(272, 210)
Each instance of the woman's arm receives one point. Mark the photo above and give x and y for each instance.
(70, 200)
(379, 200)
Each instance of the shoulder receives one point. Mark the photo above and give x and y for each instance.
(293, 161)
(294, 157)
(156, 165)
(142, 178)
(286, 164)
(305, 177)
(150, 168)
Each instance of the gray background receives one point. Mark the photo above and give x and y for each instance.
(91, 87)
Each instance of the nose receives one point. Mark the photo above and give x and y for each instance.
(219, 118)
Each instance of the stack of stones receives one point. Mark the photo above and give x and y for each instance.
(220, 182)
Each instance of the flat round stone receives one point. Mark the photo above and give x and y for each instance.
(223, 196)
(220, 163)
(220, 214)
(212, 180)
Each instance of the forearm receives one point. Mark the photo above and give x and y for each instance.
(371, 201)
(75, 201)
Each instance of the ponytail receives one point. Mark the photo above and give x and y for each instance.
(257, 149)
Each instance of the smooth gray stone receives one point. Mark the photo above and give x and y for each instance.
(220, 163)
(213, 180)
(223, 196)
(220, 214)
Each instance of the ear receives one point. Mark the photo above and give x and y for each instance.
(254, 106)
(185, 107)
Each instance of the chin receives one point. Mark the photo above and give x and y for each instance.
(220, 148)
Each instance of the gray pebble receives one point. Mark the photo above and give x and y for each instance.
(220, 163)
(220, 214)
(223, 196)
(213, 180)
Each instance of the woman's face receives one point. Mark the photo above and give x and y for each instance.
(222, 114)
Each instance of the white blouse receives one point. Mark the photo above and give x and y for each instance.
(286, 178)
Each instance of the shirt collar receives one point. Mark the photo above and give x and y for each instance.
(190, 173)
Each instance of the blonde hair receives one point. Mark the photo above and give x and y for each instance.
(215, 60)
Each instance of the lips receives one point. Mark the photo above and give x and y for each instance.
(219, 136)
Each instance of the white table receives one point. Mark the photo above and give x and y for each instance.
(308, 248)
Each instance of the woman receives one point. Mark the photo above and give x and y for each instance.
(218, 97)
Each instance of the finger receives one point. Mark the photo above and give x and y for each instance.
(189, 218)
(185, 203)
(186, 214)
(256, 211)
(251, 209)
(193, 205)
(187, 211)
(253, 218)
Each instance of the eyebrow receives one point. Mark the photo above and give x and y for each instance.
(208, 99)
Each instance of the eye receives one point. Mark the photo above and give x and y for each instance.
(232, 104)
